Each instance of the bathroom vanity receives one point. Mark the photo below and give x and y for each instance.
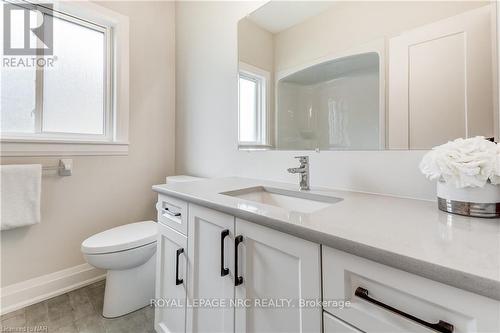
(243, 255)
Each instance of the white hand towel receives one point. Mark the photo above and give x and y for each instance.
(20, 189)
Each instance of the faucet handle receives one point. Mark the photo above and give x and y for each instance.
(303, 159)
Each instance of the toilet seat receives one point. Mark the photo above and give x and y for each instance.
(121, 238)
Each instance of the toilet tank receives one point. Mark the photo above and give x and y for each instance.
(182, 178)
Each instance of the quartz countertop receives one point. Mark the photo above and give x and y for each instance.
(408, 234)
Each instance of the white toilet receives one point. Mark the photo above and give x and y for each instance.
(128, 253)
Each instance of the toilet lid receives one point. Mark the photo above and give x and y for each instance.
(121, 238)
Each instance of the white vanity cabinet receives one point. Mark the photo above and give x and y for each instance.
(385, 299)
(332, 324)
(171, 273)
(230, 275)
(256, 289)
(210, 253)
(276, 267)
(172, 212)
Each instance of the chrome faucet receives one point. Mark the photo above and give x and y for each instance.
(303, 170)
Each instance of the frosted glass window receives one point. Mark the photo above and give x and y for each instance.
(65, 100)
(18, 100)
(248, 110)
(17, 95)
(73, 92)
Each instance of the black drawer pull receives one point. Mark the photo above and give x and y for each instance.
(223, 271)
(441, 326)
(177, 280)
(167, 211)
(237, 279)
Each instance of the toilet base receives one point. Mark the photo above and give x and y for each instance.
(129, 290)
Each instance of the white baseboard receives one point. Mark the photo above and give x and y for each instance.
(19, 295)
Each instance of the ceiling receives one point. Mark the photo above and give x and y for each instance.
(276, 16)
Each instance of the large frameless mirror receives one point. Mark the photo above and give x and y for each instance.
(367, 75)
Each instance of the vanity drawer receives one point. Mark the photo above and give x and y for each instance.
(172, 212)
(391, 300)
(332, 324)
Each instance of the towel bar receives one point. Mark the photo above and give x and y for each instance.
(64, 168)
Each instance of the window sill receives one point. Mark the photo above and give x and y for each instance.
(250, 147)
(20, 147)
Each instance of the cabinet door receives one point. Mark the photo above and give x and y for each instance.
(170, 311)
(276, 267)
(210, 233)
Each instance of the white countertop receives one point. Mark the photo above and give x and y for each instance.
(412, 235)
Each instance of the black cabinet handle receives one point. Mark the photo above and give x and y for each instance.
(167, 211)
(223, 271)
(441, 326)
(237, 279)
(177, 280)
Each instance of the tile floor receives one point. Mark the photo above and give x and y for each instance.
(79, 311)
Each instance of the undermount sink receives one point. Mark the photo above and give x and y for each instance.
(305, 202)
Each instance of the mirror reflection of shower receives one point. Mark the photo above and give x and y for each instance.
(331, 105)
(367, 75)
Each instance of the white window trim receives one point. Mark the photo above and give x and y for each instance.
(265, 77)
(117, 121)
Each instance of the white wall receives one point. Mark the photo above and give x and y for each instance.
(107, 191)
(349, 24)
(206, 98)
(256, 45)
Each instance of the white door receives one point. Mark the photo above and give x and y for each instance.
(210, 253)
(275, 268)
(170, 310)
(441, 81)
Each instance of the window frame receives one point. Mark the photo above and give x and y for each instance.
(114, 140)
(39, 133)
(262, 79)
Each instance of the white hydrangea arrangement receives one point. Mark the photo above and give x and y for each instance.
(464, 162)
